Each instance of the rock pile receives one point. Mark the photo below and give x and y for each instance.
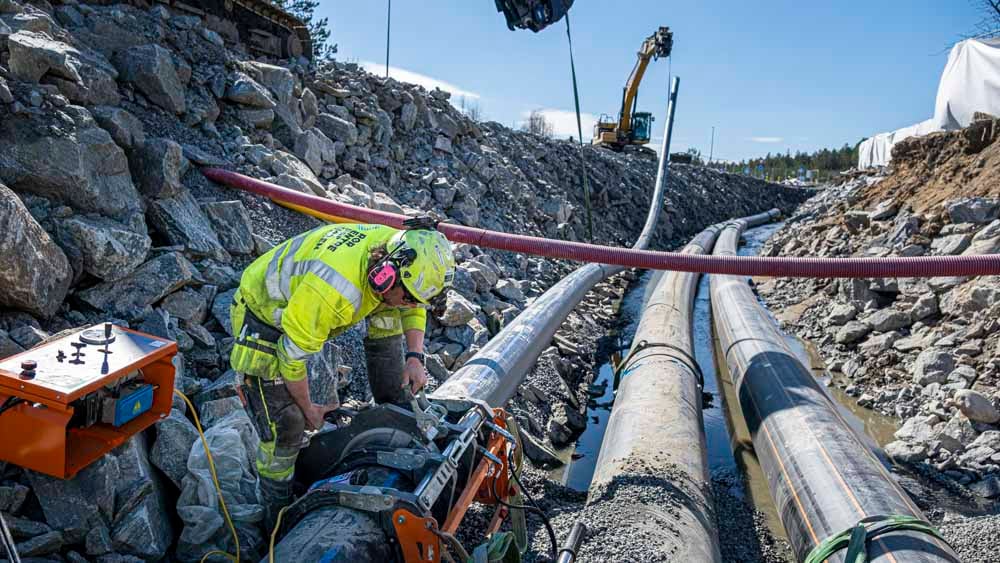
(922, 350)
(106, 114)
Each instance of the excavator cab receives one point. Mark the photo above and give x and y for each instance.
(634, 127)
(642, 126)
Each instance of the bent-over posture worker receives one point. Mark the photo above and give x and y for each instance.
(310, 289)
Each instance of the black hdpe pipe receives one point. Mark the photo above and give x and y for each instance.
(341, 534)
(656, 421)
(821, 476)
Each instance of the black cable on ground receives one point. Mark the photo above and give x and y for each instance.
(533, 507)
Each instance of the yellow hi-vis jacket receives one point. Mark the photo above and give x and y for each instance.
(315, 286)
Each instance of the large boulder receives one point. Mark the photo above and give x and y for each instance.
(141, 526)
(510, 291)
(181, 221)
(288, 110)
(32, 55)
(986, 241)
(538, 452)
(36, 274)
(906, 452)
(8, 347)
(976, 406)
(337, 128)
(80, 503)
(247, 91)
(932, 366)
(951, 244)
(48, 543)
(220, 309)
(278, 79)
(315, 149)
(973, 210)
(956, 434)
(188, 305)
(151, 69)
(157, 167)
(107, 249)
(151, 282)
(309, 105)
(124, 128)
(918, 429)
(231, 223)
(841, 313)
(888, 319)
(458, 310)
(852, 331)
(63, 155)
(976, 295)
(925, 306)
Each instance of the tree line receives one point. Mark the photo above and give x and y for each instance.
(824, 163)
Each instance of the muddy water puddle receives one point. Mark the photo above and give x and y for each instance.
(581, 459)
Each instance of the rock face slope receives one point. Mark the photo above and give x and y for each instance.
(923, 350)
(106, 114)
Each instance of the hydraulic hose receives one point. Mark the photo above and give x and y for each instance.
(885, 267)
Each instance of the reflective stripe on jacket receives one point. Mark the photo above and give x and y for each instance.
(314, 287)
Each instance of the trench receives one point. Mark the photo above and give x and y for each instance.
(730, 451)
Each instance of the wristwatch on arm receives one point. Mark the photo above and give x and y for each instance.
(418, 355)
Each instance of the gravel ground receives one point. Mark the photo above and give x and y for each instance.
(640, 515)
(977, 540)
(747, 537)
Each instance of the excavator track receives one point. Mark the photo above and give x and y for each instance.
(263, 27)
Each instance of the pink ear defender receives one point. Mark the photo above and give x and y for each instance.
(383, 277)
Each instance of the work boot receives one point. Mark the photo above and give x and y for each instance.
(277, 495)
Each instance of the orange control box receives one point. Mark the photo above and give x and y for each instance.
(67, 402)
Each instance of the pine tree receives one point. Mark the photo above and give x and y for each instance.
(319, 30)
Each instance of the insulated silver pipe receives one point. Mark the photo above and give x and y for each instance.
(822, 478)
(655, 429)
(494, 374)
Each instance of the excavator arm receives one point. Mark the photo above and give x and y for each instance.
(655, 46)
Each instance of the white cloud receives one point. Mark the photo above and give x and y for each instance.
(766, 139)
(428, 82)
(564, 122)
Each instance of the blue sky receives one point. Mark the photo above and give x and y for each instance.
(770, 76)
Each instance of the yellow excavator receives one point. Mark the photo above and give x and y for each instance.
(633, 128)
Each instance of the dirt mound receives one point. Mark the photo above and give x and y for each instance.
(942, 167)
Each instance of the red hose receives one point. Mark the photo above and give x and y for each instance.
(889, 267)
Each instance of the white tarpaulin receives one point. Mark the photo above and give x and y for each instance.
(970, 83)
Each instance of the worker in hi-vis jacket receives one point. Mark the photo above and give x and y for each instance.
(310, 289)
